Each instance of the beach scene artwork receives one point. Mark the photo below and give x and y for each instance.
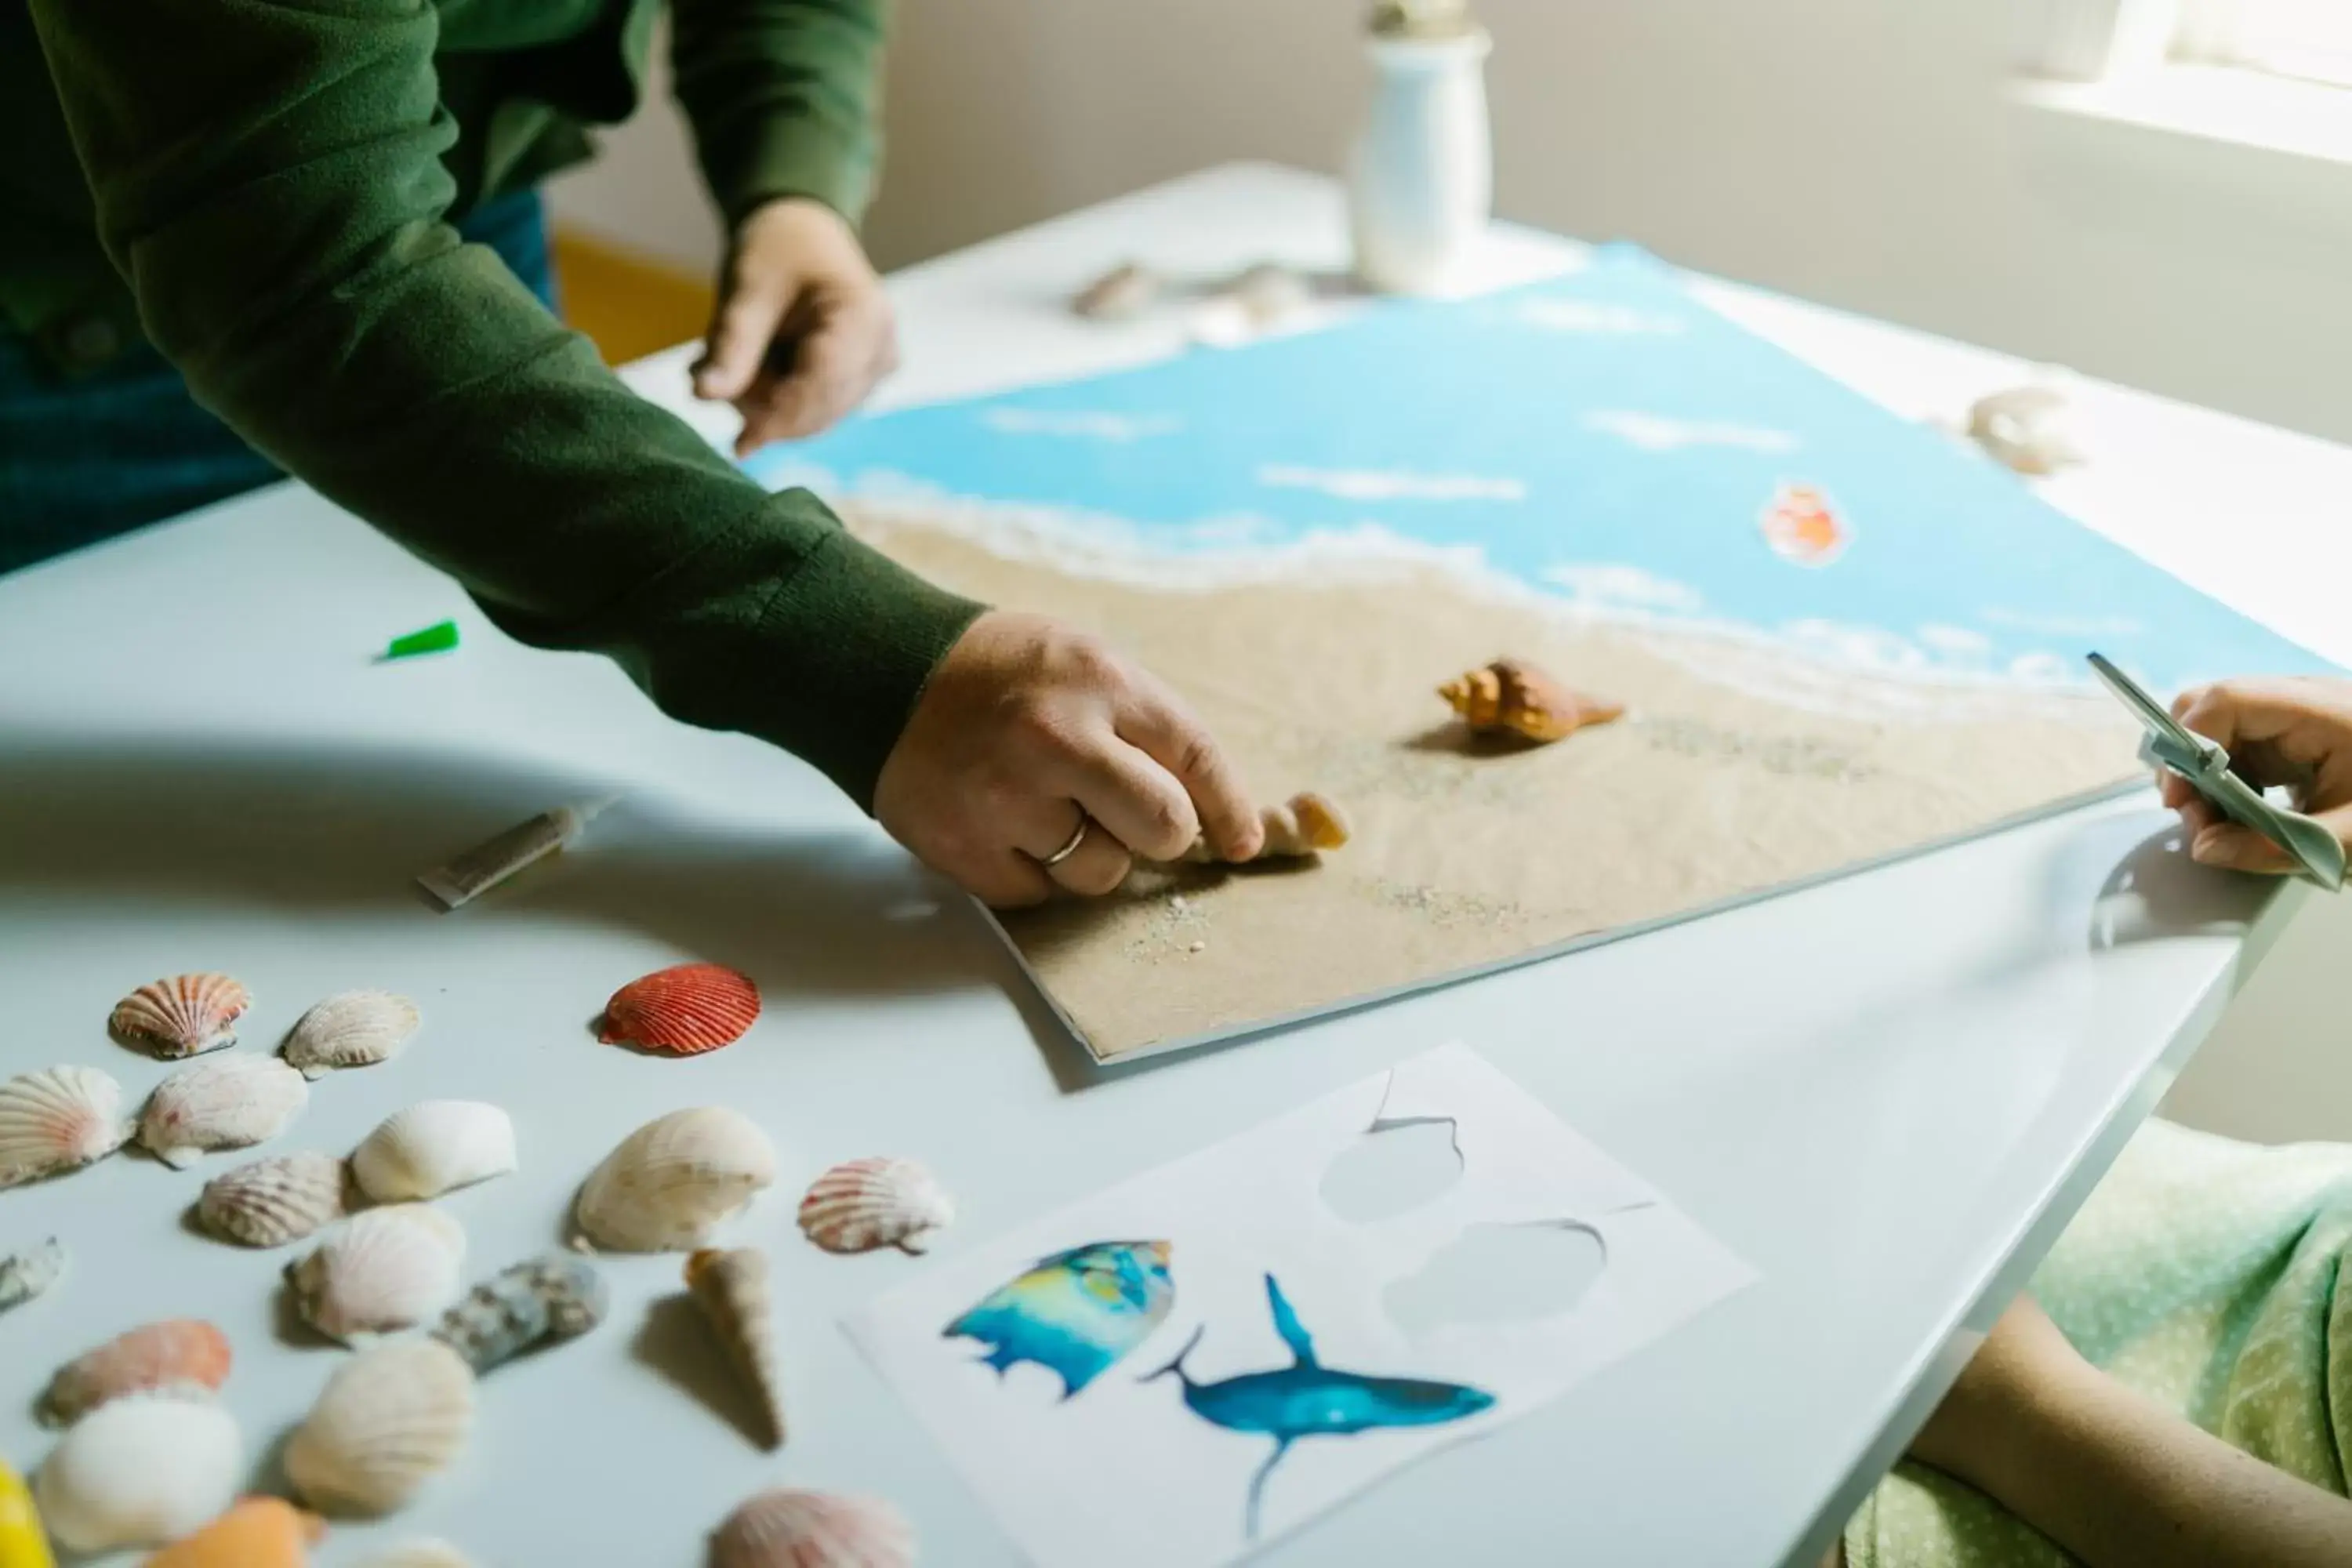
(1835, 636)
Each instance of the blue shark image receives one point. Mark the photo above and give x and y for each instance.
(1307, 1399)
(1076, 1312)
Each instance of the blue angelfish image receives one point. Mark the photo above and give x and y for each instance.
(1074, 1313)
(1307, 1399)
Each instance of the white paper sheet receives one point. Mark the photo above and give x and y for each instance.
(1126, 1470)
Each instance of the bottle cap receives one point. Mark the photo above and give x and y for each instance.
(1422, 19)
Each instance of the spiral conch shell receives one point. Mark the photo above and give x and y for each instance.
(1512, 698)
(388, 1270)
(353, 1029)
(24, 1275)
(1307, 823)
(788, 1528)
(268, 1202)
(864, 1204)
(59, 1118)
(671, 1182)
(435, 1147)
(390, 1420)
(184, 1353)
(139, 1471)
(260, 1532)
(732, 1289)
(229, 1102)
(181, 1014)
(558, 1297)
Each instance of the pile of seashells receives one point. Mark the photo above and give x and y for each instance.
(150, 1458)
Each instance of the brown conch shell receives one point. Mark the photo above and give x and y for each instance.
(784, 1528)
(181, 1014)
(732, 1289)
(1508, 696)
(179, 1354)
(1307, 823)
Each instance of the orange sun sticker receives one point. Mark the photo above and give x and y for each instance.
(1802, 527)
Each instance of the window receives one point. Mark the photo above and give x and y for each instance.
(2310, 39)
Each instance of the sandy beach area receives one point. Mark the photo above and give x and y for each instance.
(1465, 856)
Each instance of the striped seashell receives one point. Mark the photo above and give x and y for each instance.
(1511, 696)
(181, 1014)
(388, 1270)
(389, 1421)
(178, 1353)
(258, 1532)
(549, 1299)
(671, 1182)
(866, 1204)
(732, 1289)
(24, 1275)
(354, 1029)
(229, 1103)
(57, 1120)
(435, 1147)
(268, 1202)
(141, 1471)
(682, 1011)
(784, 1528)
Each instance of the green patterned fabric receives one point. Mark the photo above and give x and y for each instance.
(2201, 1273)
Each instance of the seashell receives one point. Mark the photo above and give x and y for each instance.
(24, 1275)
(866, 1204)
(1307, 823)
(181, 1016)
(23, 1542)
(57, 1120)
(732, 1289)
(784, 1528)
(390, 1420)
(184, 1353)
(672, 1181)
(557, 1297)
(268, 1202)
(230, 1103)
(2024, 428)
(1270, 293)
(1120, 294)
(1508, 696)
(682, 1011)
(425, 1553)
(260, 1532)
(139, 1472)
(388, 1270)
(435, 1146)
(355, 1029)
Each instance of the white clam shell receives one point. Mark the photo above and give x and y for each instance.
(784, 1528)
(268, 1202)
(389, 1421)
(861, 1205)
(354, 1029)
(59, 1118)
(421, 1555)
(141, 1471)
(671, 1182)
(435, 1147)
(388, 1270)
(231, 1100)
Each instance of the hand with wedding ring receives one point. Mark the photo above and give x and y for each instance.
(1038, 758)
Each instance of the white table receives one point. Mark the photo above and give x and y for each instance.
(1888, 1092)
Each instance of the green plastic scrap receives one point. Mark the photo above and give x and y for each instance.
(437, 638)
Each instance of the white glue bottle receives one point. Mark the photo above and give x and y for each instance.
(1420, 183)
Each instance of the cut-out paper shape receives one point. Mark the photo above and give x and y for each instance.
(1075, 1313)
(1500, 1274)
(1395, 1167)
(1307, 1399)
(1802, 526)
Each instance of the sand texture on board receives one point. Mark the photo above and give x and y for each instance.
(1468, 856)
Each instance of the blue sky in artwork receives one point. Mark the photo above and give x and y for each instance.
(1602, 437)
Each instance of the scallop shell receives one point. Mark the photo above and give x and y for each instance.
(390, 1420)
(388, 1270)
(866, 1204)
(24, 1275)
(734, 1292)
(354, 1029)
(59, 1118)
(671, 1182)
(1510, 697)
(183, 1014)
(139, 1472)
(229, 1103)
(784, 1528)
(682, 1011)
(557, 1297)
(268, 1202)
(260, 1532)
(182, 1352)
(421, 1555)
(435, 1147)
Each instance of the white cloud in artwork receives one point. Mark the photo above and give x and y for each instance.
(1079, 424)
(1377, 484)
(1955, 642)
(1657, 433)
(2065, 625)
(1613, 586)
(1555, 314)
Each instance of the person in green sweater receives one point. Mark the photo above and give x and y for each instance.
(227, 249)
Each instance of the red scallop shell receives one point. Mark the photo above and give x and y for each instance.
(682, 1011)
(180, 1352)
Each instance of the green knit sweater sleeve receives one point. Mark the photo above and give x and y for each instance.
(782, 95)
(268, 177)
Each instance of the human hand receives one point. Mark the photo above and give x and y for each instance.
(2024, 1367)
(1029, 729)
(803, 329)
(2291, 730)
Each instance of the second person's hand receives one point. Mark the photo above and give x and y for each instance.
(2292, 731)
